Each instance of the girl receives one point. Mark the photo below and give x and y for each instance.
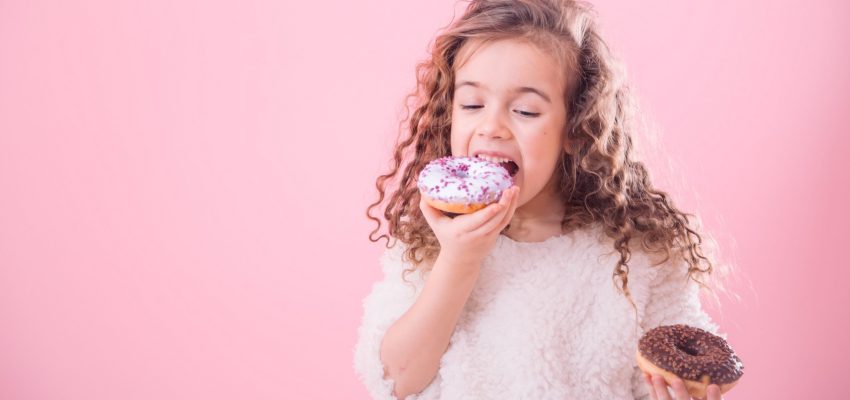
(545, 294)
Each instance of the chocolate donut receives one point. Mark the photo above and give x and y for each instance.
(698, 357)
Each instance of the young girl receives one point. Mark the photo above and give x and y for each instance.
(545, 294)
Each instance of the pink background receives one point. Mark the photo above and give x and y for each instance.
(183, 184)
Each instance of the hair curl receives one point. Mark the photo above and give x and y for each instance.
(600, 183)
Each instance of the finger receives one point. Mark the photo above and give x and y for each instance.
(511, 208)
(431, 214)
(496, 222)
(660, 387)
(648, 379)
(713, 392)
(473, 221)
(679, 389)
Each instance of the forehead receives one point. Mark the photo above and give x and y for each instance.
(507, 64)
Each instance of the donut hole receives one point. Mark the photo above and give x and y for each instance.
(688, 349)
(511, 166)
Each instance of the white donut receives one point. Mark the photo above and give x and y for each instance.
(463, 184)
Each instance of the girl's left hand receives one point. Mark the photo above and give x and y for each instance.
(658, 389)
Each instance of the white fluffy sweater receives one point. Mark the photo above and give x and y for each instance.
(544, 321)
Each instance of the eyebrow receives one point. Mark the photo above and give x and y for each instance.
(522, 89)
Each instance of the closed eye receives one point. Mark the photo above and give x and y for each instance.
(523, 113)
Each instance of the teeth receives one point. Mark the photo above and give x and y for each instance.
(493, 159)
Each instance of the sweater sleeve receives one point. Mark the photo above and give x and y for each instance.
(673, 299)
(389, 299)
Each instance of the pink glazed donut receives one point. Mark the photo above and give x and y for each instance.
(462, 184)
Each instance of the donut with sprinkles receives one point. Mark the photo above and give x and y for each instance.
(461, 184)
(696, 356)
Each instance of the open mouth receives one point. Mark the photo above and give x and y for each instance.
(508, 165)
(511, 166)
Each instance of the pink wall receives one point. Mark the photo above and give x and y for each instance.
(183, 184)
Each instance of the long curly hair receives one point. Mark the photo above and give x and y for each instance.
(600, 182)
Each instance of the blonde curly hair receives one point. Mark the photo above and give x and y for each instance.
(600, 183)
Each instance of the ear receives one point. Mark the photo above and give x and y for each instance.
(565, 140)
(567, 148)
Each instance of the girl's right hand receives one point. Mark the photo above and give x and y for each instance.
(469, 238)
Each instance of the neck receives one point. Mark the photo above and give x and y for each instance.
(540, 218)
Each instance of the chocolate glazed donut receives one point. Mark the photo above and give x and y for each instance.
(698, 357)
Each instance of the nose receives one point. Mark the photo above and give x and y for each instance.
(492, 125)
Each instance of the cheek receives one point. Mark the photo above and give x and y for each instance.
(454, 139)
(533, 171)
(539, 167)
(547, 149)
(459, 138)
(538, 154)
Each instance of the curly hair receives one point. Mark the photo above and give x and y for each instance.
(600, 182)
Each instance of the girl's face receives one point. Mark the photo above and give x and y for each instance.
(508, 99)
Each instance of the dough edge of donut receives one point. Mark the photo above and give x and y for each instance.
(457, 208)
(696, 389)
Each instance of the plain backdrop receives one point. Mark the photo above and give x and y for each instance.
(183, 184)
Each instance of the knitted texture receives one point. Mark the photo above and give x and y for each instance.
(544, 321)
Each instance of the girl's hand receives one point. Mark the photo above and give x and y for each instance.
(658, 389)
(469, 238)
